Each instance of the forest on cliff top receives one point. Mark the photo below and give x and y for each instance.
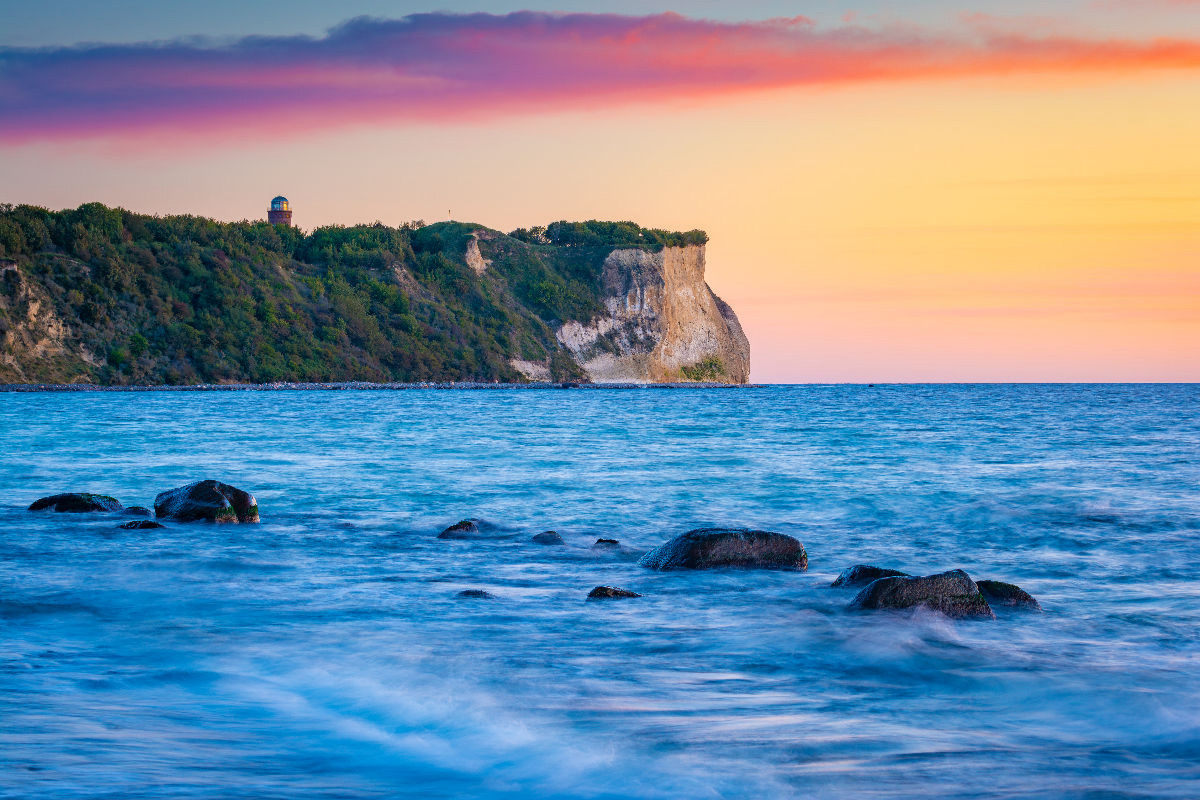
(105, 295)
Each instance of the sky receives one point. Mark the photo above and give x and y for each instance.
(918, 191)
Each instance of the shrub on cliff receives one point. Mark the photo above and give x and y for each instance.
(596, 233)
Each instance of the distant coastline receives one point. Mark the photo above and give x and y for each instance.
(105, 296)
(356, 386)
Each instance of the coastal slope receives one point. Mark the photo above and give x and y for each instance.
(103, 295)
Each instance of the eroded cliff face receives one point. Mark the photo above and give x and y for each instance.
(663, 323)
(34, 341)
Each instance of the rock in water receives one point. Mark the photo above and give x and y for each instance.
(606, 544)
(476, 594)
(77, 503)
(138, 511)
(207, 500)
(473, 529)
(140, 525)
(610, 593)
(953, 593)
(548, 537)
(708, 548)
(1008, 594)
(464, 529)
(862, 574)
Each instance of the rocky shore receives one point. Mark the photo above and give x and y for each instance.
(953, 593)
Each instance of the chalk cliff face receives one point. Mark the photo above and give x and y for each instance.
(662, 324)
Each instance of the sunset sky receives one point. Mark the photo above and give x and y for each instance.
(893, 191)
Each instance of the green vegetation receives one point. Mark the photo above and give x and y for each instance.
(185, 299)
(609, 235)
(710, 369)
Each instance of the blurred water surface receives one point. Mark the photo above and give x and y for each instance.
(323, 653)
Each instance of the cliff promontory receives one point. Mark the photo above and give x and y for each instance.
(661, 322)
(103, 295)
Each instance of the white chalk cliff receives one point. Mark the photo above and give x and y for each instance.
(662, 324)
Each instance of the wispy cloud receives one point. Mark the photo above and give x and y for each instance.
(448, 66)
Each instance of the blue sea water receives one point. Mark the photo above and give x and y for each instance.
(324, 653)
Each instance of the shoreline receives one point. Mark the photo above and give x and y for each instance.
(289, 386)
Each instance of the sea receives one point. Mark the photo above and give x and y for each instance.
(325, 652)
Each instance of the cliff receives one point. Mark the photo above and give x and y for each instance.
(103, 295)
(661, 323)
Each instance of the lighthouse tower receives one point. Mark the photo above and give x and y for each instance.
(281, 211)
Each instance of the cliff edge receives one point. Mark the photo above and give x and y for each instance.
(661, 323)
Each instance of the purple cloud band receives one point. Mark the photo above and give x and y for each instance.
(447, 66)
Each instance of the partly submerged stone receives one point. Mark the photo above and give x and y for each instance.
(607, 544)
(1008, 594)
(137, 511)
(76, 503)
(548, 537)
(210, 501)
(476, 594)
(708, 548)
(862, 574)
(473, 529)
(610, 593)
(952, 593)
(464, 529)
(140, 525)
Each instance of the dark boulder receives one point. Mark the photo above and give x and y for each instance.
(473, 529)
(137, 511)
(77, 503)
(1000, 593)
(862, 574)
(606, 544)
(548, 537)
(466, 529)
(610, 593)
(140, 525)
(708, 548)
(476, 594)
(953, 593)
(210, 501)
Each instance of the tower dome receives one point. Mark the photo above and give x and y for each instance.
(280, 212)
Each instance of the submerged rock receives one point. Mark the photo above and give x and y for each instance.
(76, 503)
(708, 548)
(137, 511)
(476, 594)
(140, 525)
(212, 501)
(548, 537)
(1008, 594)
(953, 593)
(610, 593)
(606, 544)
(862, 574)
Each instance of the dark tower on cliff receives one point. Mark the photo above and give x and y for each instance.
(281, 211)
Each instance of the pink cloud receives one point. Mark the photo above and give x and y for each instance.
(453, 67)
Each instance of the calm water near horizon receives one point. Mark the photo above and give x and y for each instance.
(323, 653)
